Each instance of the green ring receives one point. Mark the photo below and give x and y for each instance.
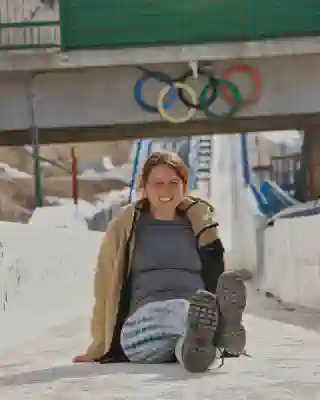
(235, 91)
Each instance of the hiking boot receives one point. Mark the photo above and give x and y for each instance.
(231, 298)
(198, 351)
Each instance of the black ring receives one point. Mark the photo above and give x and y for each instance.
(211, 82)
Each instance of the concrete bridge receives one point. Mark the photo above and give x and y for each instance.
(81, 91)
(89, 95)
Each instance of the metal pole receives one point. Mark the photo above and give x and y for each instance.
(75, 186)
(34, 132)
(135, 169)
(149, 150)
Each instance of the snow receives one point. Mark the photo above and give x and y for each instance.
(107, 163)
(112, 198)
(44, 278)
(122, 173)
(85, 208)
(8, 171)
(58, 217)
(68, 215)
(46, 298)
(46, 288)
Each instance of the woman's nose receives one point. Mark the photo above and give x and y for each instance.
(165, 190)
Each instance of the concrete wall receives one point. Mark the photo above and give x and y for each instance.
(97, 97)
(283, 259)
(292, 260)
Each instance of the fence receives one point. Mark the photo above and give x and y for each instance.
(26, 24)
(37, 174)
(109, 23)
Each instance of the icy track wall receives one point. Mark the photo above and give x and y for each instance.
(285, 258)
(236, 209)
(45, 279)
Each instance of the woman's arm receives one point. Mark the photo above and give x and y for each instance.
(212, 259)
(105, 278)
(98, 321)
(211, 249)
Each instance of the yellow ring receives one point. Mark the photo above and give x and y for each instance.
(165, 91)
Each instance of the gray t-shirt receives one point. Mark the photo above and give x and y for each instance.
(165, 264)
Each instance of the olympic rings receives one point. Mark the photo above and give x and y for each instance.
(236, 99)
(191, 112)
(215, 87)
(211, 83)
(161, 77)
(255, 76)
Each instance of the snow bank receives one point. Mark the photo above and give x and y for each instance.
(122, 173)
(85, 208)
(40, 270)
(58, 217)
(6, 170)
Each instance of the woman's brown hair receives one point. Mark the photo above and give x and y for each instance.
(165, 158)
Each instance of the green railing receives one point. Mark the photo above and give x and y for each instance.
(124, 23)
(27, 24)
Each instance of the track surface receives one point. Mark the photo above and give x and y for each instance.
(285, 349)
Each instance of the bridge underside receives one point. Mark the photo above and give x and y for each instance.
(303, 122)
(82, 104)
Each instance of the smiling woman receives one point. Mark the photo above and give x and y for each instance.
(160, 287)
(164, 183)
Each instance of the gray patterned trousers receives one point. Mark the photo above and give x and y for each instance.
(154, 333)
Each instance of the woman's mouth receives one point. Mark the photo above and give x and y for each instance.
(165, 199)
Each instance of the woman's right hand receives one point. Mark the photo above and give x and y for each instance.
(82, 358)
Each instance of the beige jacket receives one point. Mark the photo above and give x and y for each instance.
(109, 273)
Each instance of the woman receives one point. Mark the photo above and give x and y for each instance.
(161, 292)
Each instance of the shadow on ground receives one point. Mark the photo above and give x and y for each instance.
(163, 373)
(270, 308)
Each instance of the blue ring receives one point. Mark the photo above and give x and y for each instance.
(161, 77)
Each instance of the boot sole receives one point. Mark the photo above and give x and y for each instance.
(232, 299)
(198, 351)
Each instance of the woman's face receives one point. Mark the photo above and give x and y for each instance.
(164, 188)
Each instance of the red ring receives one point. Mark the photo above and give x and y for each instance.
(255, 96)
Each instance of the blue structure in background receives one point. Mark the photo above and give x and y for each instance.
(135, 168)
(270, 197)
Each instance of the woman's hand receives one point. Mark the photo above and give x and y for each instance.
(82, 358)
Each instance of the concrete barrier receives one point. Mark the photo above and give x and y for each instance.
(45, 278)
(292, 260)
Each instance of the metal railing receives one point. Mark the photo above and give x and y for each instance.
(73, 172)
(28, 24)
